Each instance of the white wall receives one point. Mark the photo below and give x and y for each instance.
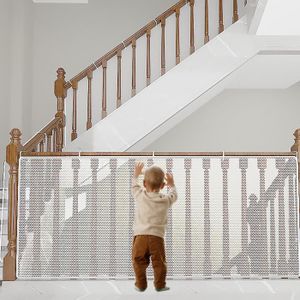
(280, 18)
(15, 62)
(238, 120)
(5, 6)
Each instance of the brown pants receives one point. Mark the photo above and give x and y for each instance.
(144, 247)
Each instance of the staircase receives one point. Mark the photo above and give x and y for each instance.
(163, 64)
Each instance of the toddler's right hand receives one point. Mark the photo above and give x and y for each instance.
(170, 179)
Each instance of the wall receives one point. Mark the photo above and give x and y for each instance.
(5, 6)
(238, 120)
(15, 61)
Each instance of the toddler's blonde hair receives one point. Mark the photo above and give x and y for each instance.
(154, 177)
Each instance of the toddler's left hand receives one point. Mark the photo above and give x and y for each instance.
(138, 169)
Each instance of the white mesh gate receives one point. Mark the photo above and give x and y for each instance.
(235, 217)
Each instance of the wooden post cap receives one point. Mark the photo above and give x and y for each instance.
(15, 134)
(12, 149)
(59, 84)
(296, 145)
(61, 73)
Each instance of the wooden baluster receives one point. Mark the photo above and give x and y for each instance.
(130, 216)
(74, 114)
(226, 239)
(89, 101)
(60, 93)
(12, 158)
(221, 19)
(235, 16)
(95, 219)
(58, 211)
(163, 47)
(293, 249)
(54, 140)
(169, 234)
(148, 67)
(177, 12)
(75, 218)
(188, 220)
(113, 164)
(104, 100)
(133, 80)
(263, 234)
(119, 78)
(41, 146)
(207, 227)
(282, 242)
(192, 30)
(206, 31)
(49, 135)
(245, 271)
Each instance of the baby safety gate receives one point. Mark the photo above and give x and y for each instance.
(236, 216)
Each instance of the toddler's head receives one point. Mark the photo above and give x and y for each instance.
(154, 179)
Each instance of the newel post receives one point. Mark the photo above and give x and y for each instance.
(12, 158)
(60, 94)
(296, 148)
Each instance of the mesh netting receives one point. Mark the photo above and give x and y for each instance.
(235, 217)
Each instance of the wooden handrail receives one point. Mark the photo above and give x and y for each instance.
(34, 141)
(141, 32)
(155, 154)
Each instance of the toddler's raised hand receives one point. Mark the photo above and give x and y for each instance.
(170, 179)
(138, 169)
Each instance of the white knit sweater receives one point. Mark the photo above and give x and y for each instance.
(151, 210)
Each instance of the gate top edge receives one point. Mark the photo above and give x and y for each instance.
(42, 154)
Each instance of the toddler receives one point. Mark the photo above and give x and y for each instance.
(150, 225)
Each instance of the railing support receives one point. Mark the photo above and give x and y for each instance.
(60, 94)
(12, 158)
(206, 25)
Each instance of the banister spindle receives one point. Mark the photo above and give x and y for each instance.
(104, 91)
(74, 114)
(177, 12)
(206, 30)
(235, 16)
(192, 30)
(49, 136)
(41, 146)
(221, 19)
(133, 77)
(89, 101)
(54, 139)
(163, 47)
(119, 78)
(148, 66)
